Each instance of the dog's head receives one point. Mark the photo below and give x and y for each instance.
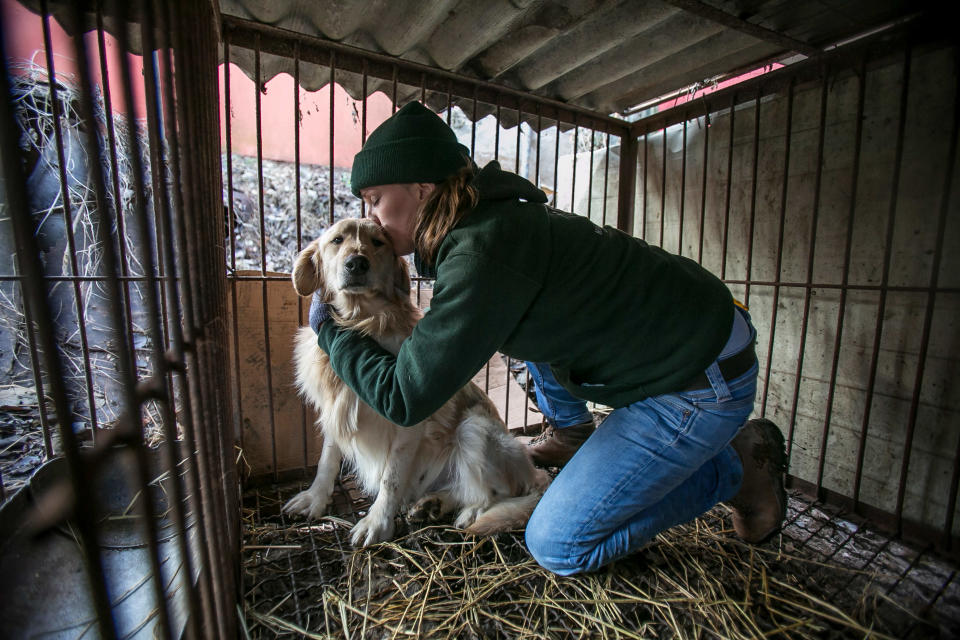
(352, 258)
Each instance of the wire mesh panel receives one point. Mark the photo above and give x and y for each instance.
(116, 294)
(286, 172)
(825, 196)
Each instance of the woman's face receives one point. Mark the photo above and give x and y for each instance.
(394, 207)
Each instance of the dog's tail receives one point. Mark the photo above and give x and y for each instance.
(511, 513)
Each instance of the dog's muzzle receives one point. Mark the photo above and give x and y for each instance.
(355, 270)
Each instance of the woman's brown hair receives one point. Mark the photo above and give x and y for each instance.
(442, 210)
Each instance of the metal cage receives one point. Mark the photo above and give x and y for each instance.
(835, 235)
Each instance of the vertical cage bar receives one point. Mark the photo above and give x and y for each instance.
(726, 204)
(68, 223)
(753, 196)
(304, 429)
(333, 84)
(556, 166)
(28, 258)
(928, 313)
(663, 185)
(646, 158)
(885, 274)
(811, 255)
(363, 130)
(264, 297)
(393, 92)
(703, 187)
(235, 322)
(573, 180)
(496, 133)
(449, 101)
(778, 268)
(683, 184)
(115, 177)
(606, 178)
(845, 277)
(590, 176)
(473, 125)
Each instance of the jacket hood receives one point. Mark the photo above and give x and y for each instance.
(493, 183)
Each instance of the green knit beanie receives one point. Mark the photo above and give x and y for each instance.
(412, 145)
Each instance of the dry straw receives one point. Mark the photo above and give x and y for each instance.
(695, 581)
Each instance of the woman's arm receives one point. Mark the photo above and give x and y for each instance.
(476, 306)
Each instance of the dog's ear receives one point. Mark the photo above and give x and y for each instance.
(307, 270)
(401, 278)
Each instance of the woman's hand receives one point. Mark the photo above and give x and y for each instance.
(319, 312)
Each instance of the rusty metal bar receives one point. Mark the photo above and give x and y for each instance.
(726, 205)
(663, 186)
(811, 254)
(703, 187)
(333, 84)
(606, 178)
(28, 257)
(683, 188)
(646, 164)
(590, 177)
(449, 101)
(393, 94)
(296, 160)
(363, 129)
(885, 275)
(263, 255)
(573, 181)
(845, 277)
(496, 133)
(68, 218)
(473, 126)
(788, 134)
(928, 314)
(115, 178)
(753, 197)
(556, 166)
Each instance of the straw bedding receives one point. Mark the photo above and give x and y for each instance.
(694, 581)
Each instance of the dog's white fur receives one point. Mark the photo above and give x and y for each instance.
(460, 459)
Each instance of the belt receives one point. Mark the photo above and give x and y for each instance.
(731, 368)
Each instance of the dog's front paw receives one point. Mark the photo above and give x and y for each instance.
(467, 515)
(429, 508)
(307, 503)
(371, 529)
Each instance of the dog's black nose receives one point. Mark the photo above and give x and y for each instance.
(356, 265)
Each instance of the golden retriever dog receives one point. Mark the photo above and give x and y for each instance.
(461, 459)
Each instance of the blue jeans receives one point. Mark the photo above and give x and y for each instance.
(649, 466)
(558, 406)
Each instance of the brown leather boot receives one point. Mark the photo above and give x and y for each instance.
(554, 447)
(760, 506)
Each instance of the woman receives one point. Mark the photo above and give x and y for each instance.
(607, 318)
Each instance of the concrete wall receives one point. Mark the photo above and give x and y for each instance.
(839, 403)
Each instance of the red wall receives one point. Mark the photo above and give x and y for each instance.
(277, 106)
(23, 33)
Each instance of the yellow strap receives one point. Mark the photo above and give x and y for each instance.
(740, 304)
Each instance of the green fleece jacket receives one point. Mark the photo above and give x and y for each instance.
(617, 319)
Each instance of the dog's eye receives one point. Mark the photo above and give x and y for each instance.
(376, 242)
(337, 240)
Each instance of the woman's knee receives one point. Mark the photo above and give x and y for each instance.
(552, 547)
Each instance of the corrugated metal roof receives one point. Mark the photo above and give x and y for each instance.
(604, 55)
